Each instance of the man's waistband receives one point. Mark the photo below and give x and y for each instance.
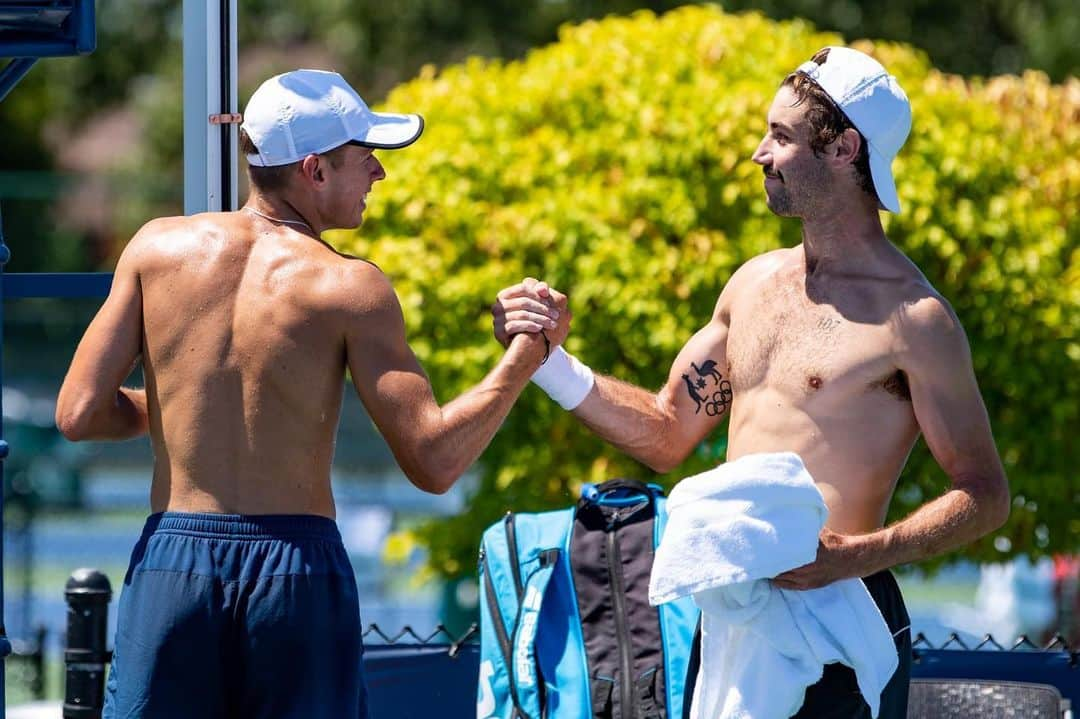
(243, 526)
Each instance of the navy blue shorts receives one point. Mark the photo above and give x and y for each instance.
(224, 615)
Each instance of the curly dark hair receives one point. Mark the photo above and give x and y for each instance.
(828, 122)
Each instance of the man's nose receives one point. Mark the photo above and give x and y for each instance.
(380, 171)
(761, 155)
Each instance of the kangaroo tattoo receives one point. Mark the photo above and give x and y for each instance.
(693, 393)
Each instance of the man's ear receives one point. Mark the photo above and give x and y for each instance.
(845, 149)
(311, 168)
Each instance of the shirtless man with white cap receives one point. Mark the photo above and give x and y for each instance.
(838, 349)
(240, 600)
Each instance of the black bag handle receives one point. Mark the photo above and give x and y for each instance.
(595, 493)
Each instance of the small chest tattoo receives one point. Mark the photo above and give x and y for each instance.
(828, 324)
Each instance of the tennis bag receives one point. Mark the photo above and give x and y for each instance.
(566, 630)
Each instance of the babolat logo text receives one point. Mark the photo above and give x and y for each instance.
(529, 613)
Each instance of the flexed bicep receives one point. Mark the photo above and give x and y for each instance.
(698, 389)
(661, 429)
(700, 393)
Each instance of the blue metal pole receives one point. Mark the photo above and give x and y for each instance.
(66, 285)
(5, 643)
(13, 72)
(23, 58)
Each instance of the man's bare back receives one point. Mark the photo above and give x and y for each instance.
(245, 323)
(244, 356)
(812, 366)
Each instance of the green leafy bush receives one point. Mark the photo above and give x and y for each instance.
(615, 164)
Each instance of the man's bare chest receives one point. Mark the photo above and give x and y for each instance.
(782, 340)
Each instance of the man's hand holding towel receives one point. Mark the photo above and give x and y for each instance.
(730, 531)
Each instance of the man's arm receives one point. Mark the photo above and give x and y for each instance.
(658, 429)
(950, 411)
(661, 429)
(433, 445)
(91, 403)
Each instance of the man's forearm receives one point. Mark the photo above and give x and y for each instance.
(631, 419)
(122, 416)
(468, 422)
(949, 522)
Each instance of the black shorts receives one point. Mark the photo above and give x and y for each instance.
(836, 695)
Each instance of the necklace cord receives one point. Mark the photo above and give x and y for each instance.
(263, 215)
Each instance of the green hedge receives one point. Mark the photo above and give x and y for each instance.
(615, 163)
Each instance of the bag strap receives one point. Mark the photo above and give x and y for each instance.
(525, 678)
(503, 639)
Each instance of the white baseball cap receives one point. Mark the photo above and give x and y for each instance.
(307, 112)
(876, 105)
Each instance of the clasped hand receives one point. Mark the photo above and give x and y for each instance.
(531, 306)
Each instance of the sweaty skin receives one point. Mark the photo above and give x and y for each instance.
(245, 328)
(837, 349)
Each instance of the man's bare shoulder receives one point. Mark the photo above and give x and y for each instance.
(186, 225)
(166, 237)
(762, 266)
(926, 325)
(750, 275)
(928, 312)
(359, 286)
(365, 305)
(153, 241)
(156, 232)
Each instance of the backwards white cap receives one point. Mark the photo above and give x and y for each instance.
(876, 105)
(306, 112)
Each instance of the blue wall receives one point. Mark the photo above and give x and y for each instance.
(414, 681)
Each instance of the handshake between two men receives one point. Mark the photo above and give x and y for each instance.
(530, 307)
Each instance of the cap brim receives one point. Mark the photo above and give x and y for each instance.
(390, 131)
(884, 184)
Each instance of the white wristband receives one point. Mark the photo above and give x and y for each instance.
(565, 379)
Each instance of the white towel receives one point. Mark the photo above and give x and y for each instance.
(729, 531)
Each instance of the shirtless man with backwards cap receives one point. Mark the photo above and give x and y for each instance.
(240, 599)
(838, 350)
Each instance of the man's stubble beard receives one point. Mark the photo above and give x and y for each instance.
(810, 195)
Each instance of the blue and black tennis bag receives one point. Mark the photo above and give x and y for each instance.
(566, 630)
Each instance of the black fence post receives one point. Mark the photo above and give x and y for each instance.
(88, 593)
(37, 660)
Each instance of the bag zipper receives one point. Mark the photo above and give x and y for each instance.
(622, 635)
